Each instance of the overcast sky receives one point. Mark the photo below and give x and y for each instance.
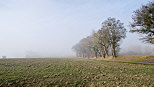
(50, 28)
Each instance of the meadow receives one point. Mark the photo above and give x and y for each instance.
(73, 72)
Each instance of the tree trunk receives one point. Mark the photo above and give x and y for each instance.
(114, 51)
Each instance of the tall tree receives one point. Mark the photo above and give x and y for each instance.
(143, 22)
(95, 45)
(116, 31)
(103, 41)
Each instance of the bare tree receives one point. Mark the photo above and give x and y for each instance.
(116, 32)
(104, 41)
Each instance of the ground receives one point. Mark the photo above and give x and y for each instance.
(67, 72)
(129, 58)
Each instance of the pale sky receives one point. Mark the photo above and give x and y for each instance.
(49, 28)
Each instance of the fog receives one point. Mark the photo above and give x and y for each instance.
(49, 28)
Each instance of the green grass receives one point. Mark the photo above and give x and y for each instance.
(73, 73)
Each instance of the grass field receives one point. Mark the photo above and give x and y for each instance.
(73, 73)
(130, 58)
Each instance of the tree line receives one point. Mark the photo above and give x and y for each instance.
(106, 41)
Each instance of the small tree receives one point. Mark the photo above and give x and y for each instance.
(143, 22)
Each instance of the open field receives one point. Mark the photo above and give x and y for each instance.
(73, 73)
(130, 58)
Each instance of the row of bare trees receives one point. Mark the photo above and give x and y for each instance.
(106, 41)
(103, 43)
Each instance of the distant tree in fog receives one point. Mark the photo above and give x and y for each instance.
(143, 22)
(82, 48)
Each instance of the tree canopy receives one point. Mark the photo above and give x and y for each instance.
(143, 22)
